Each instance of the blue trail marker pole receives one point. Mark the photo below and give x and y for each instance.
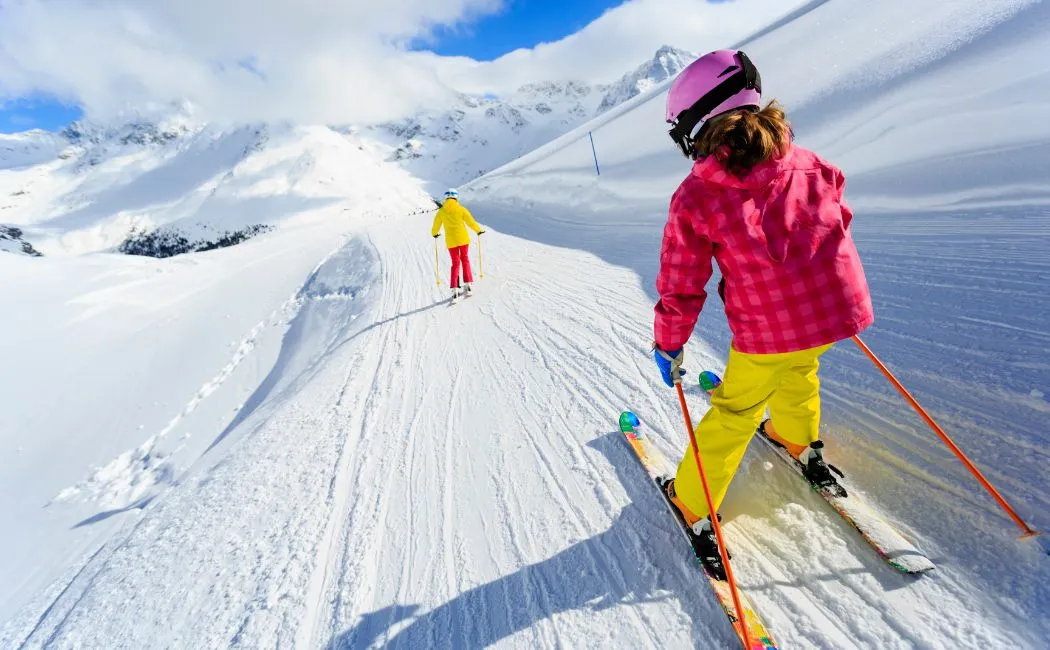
(593, 151)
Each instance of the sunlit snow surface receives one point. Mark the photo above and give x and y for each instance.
(297, 442)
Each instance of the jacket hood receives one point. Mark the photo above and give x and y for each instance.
(711, 171)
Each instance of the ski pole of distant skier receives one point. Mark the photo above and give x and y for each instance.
(437, 274)
(741, 621)
(1027, 530)
(481, 260)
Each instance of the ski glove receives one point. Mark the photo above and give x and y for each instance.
(437, 235)
(670, 364)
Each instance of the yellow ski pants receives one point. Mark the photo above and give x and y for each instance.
(786, 382)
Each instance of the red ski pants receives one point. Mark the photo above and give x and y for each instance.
(460, 257)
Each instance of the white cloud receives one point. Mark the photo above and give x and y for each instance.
(321, 60)
(317, 60)
(618, 41)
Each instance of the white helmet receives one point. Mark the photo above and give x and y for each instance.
(451, 194)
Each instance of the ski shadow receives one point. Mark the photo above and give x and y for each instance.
(887, 580)
(640, 558)
(102, 516)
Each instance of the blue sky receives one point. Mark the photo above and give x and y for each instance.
(35, 113)
(522, 23)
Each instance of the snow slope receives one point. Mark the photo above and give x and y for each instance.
(119, 371)
(947, 169)
(401, 473)
(392, 491)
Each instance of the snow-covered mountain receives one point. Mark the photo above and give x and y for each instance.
(11, 241)
(29, 148)
(452, 145)
(667, 63)
(178, 184)
(173, 184)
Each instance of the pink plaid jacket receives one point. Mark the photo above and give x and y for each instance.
(793, 278)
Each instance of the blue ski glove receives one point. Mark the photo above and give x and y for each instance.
(670, 364)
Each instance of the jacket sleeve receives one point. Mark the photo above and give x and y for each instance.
(685, 268)
(468, 218)
(436, 228)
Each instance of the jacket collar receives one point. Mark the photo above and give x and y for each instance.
(761, 175)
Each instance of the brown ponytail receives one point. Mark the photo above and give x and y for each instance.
(742, 139)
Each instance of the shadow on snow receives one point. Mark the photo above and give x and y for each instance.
(633, 568)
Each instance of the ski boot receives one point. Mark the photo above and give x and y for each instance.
(456, 295)
(820, 474)
(700, 532)
(705, 546)
(470, 290)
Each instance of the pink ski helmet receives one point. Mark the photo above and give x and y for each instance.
(717, 82)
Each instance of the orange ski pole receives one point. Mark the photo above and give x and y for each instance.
(481, 260)
(1027, 530)
(741, 622)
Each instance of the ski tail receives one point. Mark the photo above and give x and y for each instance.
(872, 525)
(869, 523)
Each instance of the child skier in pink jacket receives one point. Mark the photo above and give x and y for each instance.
(772, 215)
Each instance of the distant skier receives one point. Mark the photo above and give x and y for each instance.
(772, 215)
(455, 218)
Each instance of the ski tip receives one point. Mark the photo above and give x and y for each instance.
(1043, 540)
(628, 421)
(709, 381)
(914, 565)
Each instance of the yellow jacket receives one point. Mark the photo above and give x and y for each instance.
(455, 218)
